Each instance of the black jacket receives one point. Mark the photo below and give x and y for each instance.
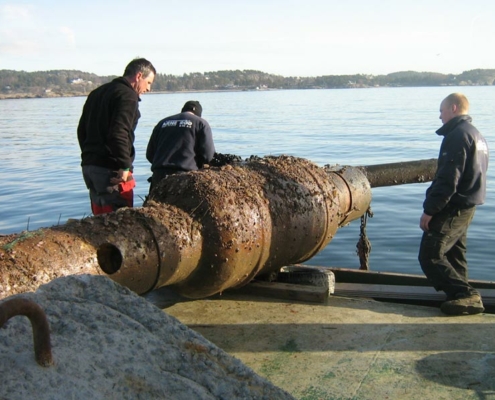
(182, 142)
(106, 128)
(460, 179)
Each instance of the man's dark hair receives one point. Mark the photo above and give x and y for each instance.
(139, 65)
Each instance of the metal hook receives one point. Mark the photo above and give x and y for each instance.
(39, 322)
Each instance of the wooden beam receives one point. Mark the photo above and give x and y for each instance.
(401, 292)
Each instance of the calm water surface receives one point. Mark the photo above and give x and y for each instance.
(43, 186)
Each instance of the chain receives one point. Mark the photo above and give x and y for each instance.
(364, 245)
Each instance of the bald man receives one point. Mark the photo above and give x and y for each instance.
(458, 187)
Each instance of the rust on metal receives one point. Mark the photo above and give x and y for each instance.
(200, 232)
(251, 219)
(41, 330)
(401, 173)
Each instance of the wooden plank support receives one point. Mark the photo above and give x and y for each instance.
(401, 292)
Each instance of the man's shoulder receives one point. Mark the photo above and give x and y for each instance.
(184, 116)
(467, 131)
(201, 120)
(117, 86)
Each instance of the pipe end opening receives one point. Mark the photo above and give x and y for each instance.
(109, 258)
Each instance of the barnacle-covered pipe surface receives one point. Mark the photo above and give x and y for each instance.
(200, 232)
(219, 228)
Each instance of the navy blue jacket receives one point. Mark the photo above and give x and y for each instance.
(106, 127)
(182, 142)
(460, 179)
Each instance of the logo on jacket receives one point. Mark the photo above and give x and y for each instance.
(181, 123)
(481, 146)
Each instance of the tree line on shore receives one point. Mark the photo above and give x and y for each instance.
(56, 83)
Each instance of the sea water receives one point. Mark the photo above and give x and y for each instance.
(42, 183)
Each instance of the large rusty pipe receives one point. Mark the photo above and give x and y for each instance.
(201, 232)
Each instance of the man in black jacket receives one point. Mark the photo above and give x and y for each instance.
(458, 187)
(106, 137)
(180, 143)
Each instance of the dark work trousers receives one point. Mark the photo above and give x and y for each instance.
(442, 253)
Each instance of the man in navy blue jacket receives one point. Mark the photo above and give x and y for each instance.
(106, 137)
(458, 187)
(180, 143)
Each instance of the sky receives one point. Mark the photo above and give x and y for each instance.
(288, 38)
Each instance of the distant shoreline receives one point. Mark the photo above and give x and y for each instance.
(19, 96)
(69, 83)
(51, 95)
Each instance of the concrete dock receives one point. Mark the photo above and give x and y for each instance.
(350, 348)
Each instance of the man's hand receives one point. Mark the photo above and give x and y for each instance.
(424, 222)
(121, 177)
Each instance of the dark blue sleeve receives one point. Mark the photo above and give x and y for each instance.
(205, 148)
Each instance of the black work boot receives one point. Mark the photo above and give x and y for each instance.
(466, 305)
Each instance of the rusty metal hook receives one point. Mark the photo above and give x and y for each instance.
(41, 330)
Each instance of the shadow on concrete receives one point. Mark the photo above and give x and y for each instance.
(461, 369)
